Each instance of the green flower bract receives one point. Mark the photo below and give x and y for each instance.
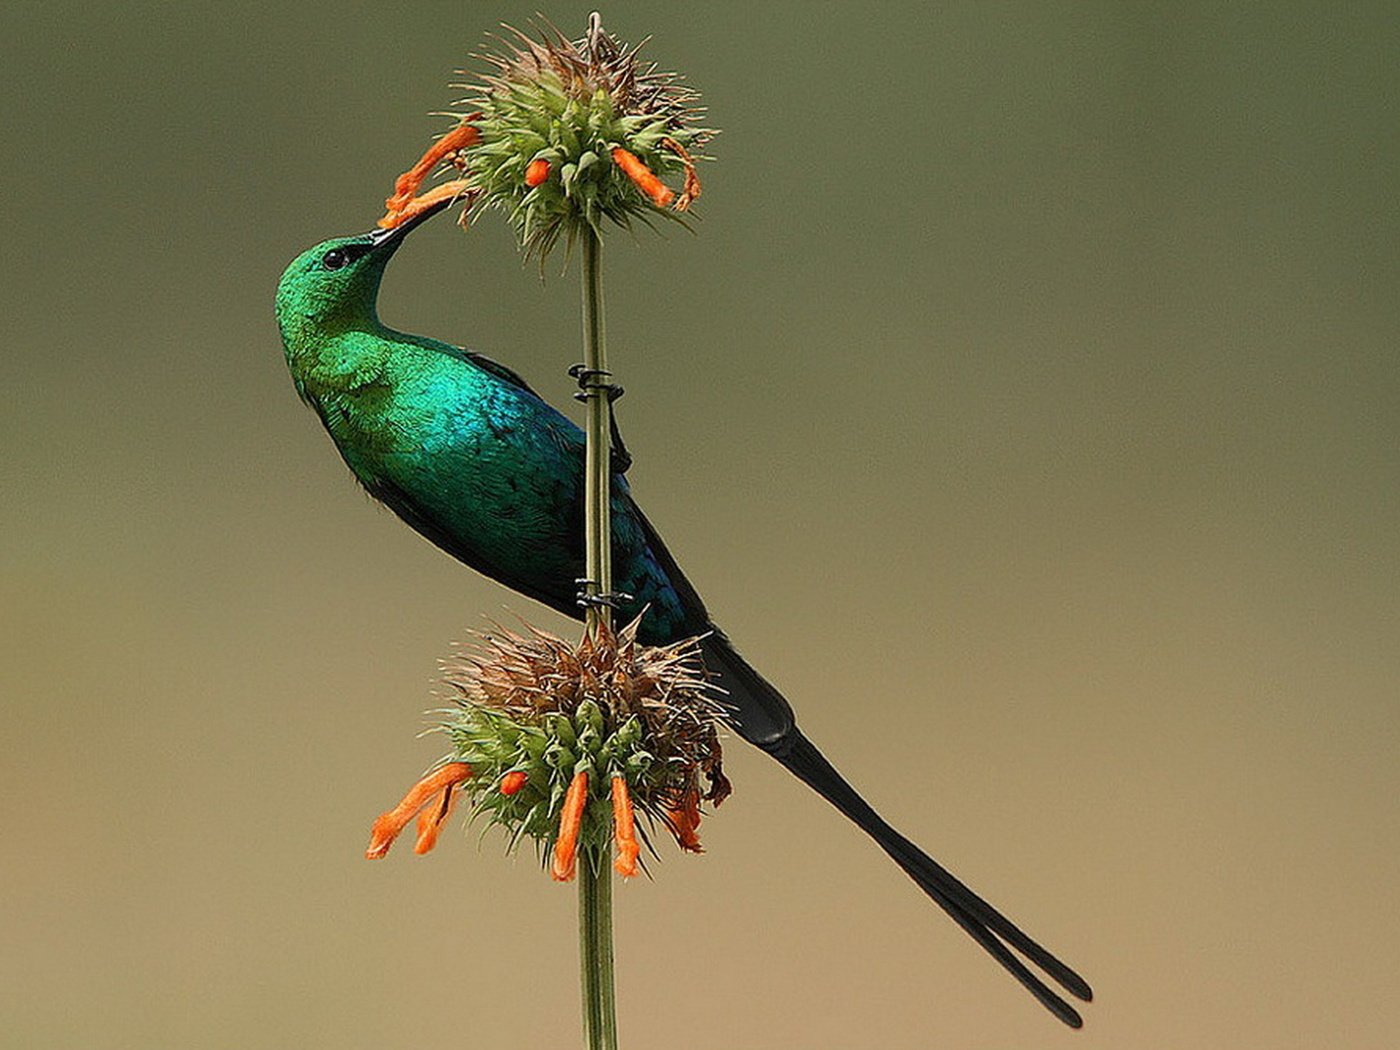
(540, 706)
(571, 103)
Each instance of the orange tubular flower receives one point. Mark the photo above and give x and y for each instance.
(432, 818)
(684, 822)
(402, 204)
(565, 864)
(536, 172)
(624, 830)
(406, 185)
(443, 191)
(512, 782)
(643, 177)
(691, 189)
(388, 825)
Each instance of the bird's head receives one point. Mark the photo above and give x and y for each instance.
(334, 286)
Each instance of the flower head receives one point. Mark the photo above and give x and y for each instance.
(575, 132)
(563, 741)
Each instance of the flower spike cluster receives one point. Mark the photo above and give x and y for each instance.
(562, 134)
(578, 131)
(563, 742)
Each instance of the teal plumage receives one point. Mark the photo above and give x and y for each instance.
(467, 454)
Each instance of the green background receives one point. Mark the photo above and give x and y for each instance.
(1026, 407)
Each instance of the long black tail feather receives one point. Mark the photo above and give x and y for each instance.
(763, 717)
(987, 926)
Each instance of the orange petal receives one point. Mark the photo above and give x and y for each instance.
(536, 172)
(624, 830)
(406, 185)
(565, 863)
(388, 825)
(643, 177)
(684, 821)
(512, 782)
(442, 191)
(432, 818)
(691, 189)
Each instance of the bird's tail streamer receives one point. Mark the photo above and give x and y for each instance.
(763, 717)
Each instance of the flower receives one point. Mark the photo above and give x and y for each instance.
(443, 781)
(404, 203)
(563, 742)
(563, 134)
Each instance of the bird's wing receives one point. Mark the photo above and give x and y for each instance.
(697, 619)
(621, 459)
(403, 503)
(499, 370)
(642, 564)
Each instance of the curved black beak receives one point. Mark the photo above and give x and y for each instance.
(395, 235)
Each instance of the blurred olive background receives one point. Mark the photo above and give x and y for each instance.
(1026, 407)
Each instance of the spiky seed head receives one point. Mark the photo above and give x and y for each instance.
(552, 114)
(538, 709)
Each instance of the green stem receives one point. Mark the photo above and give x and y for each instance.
(596, 950)
(595, 939)
(597, 464)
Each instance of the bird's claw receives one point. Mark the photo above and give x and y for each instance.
(588, 600)
(592, 381)
(588, 382)
(621, 460)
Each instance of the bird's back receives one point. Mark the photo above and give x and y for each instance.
(469, 456)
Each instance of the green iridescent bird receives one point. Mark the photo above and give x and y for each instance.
(466, 453)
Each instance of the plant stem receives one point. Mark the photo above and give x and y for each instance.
(597, 463)
(595, 938)
(596, 950)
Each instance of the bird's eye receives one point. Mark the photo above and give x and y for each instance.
(334, 259)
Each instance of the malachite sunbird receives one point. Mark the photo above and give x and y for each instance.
(466, 453)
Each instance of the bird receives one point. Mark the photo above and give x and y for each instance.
(464, 451)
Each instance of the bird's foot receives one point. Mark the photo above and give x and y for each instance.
(588, 383)
(586, 598)
(592, 382)
(621, 459)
